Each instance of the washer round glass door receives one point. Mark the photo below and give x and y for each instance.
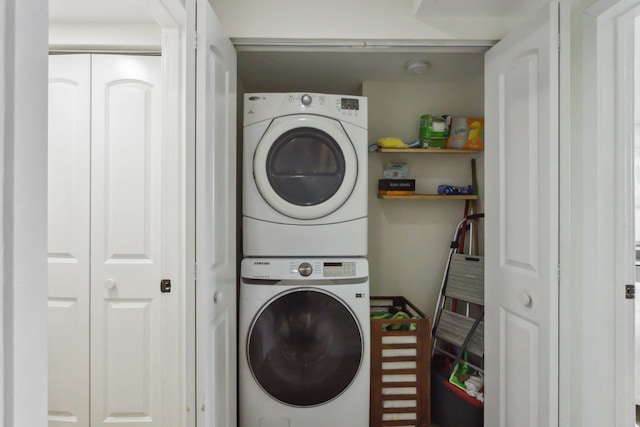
(305, 166)
(305, 347)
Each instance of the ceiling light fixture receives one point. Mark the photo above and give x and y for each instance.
(416, 66)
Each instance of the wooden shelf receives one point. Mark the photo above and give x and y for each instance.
(430, 197)
(427, 150)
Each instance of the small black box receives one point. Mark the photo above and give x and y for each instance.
(397, 184)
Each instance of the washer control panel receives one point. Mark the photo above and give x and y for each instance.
(304, 269)
(323, 269)
(339, 269)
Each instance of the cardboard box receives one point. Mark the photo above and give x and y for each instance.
(397, 184)
(433, 131)
(466, 133)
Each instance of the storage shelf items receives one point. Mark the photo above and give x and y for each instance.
(429, 151)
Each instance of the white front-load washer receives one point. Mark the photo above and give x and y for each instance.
(304, 175)
(304, 342)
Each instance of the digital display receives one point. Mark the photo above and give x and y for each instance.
(333, 264)
(350, 104)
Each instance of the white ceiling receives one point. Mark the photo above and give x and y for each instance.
(344, 72)
(323, 72)
(99, 11)
(134, 11)
(477, 8)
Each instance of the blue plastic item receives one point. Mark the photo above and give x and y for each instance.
(452, 189)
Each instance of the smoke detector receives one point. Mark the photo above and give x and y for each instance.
(416, 66)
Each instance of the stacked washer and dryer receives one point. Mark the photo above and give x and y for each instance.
(304, 286)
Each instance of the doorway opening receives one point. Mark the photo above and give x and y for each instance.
(116, 129)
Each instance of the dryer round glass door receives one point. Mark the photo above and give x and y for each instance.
(305, 166)
(305, 347)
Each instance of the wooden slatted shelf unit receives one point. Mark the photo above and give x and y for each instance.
(400, 366)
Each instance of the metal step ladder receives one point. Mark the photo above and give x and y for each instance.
(458, 326)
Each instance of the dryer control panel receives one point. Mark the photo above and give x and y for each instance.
(265, 106)
(303, 269)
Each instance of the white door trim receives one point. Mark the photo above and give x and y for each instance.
(23, 204)
(566, 336)
(171, 16)
(3, 106)
(189, 132)
(607, 253)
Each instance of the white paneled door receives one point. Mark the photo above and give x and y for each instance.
(215, 222)
(127, 339)
(69, 239)
(108, 347)
(521, 263)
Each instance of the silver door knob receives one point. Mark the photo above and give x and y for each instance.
(110, 284)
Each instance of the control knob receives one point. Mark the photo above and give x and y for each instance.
(306, 99)
(305, 269)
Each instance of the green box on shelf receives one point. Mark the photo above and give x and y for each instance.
(434, 143)
(434, 132)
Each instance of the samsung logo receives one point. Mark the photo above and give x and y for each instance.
(261, 263)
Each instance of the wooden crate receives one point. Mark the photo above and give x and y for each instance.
(400, 367)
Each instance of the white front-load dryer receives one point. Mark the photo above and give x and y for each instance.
(304, 342)
(304, 175)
